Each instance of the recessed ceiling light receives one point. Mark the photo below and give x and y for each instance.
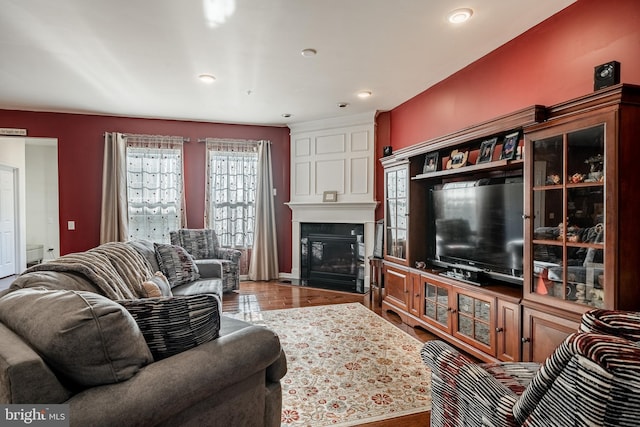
(343, 104)
(207, 78)
(364, 94)
(286, 115)
(459, 16)
(308, 52)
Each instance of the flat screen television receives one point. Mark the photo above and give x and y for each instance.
(477, 231)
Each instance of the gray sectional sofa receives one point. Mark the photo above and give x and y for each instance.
(74, 331)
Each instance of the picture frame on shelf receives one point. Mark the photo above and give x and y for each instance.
(486, 150)
(330, 196)
(430, 163)
(378, 242)
(457, 159)
(510, 146)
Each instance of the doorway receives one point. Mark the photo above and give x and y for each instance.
(36, 225)
(8, 192)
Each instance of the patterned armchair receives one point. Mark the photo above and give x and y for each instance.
(591, 379)
(203, 245)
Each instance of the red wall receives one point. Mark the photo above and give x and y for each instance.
(80, 154)
(551, 63)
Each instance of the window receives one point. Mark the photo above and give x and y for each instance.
(154, 189)
(231, 191)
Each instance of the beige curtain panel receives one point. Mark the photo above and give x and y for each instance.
(264, 258)
(113, 220)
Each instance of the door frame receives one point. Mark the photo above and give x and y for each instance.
(16, 218)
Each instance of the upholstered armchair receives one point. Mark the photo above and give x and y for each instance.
(204, 247)
(591, 379)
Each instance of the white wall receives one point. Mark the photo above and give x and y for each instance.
(12, 154)
(42, 195)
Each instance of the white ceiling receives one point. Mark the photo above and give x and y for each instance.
(141, 58)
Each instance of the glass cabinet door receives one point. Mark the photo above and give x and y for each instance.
(474, 318)
(436, 304)
(568, 207)
(396, 212)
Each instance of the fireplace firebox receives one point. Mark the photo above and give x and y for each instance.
(332, 256)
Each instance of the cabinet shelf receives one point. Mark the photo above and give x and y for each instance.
(568, 185)
(568, 244)
(497, 165)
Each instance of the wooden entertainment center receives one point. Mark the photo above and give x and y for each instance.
(580, 242)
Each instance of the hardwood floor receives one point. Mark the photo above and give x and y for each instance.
(261, 296)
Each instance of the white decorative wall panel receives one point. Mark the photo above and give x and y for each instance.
(303, 147)
(359, 175)
(334, 154)
(330, 176)
(329, 144)
(302, 182)
(360, 141)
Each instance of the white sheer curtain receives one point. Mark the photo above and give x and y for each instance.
(264, 259)
(142, 187)
(231, 193)
(155, 187)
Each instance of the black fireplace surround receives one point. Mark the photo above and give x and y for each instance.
(332, 256)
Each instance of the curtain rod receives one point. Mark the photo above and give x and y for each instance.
(234, 141)
(184, 139)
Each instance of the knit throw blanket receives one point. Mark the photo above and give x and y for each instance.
(115, 268)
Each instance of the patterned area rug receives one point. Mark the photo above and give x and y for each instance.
(346, 366)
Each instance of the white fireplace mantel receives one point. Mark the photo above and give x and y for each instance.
(331, 212)
(347, 212)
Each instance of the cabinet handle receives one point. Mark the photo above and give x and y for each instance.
(525, 340)
(524, 216)
(499, 329)
(417, 295)
(453, 310)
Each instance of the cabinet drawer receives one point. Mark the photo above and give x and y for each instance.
(396, 287)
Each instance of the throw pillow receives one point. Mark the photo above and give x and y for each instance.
(163, 283)
(85, 337)
(171, 325)
(150, 290)
(176, 264)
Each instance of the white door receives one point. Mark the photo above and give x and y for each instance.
(7, 222)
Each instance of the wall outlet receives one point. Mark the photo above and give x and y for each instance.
(71, 225)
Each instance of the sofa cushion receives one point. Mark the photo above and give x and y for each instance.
(87, 338)
(171, 325)
(176, 264)
(147, 250)
(202, 286)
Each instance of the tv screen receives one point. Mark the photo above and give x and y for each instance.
(479, 226)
